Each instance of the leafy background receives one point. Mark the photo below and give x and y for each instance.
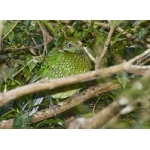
(23, 49)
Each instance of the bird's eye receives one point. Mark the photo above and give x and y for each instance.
(69, 44)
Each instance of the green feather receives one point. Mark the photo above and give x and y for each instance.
(63, 63)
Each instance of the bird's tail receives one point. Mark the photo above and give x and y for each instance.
(37, 102)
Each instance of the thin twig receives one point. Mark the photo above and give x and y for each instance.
(125, 33)
(89, 54)
(144, 54)
(99, 59)
(145, 61)
(23, 67)
(44, 38)
(10, 30)
(100, 119)
(95, 105)
(23, 48)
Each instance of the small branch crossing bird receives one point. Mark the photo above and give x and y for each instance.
(71, 60)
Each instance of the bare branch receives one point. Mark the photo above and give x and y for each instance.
(89, 54)
(67, 104)
(110, 114)
(44, 38)
(51, 84)
(6, 124)
(107, 42)
(125, 104)
(139, 70)
(141, 56)
(100, 119)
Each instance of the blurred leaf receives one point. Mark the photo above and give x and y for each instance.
(115, 23)
(27, 74)
(89, 115)
(142, 33)
(21, 120)
(32, 62)
(11, 36)
(50, 27)
(123, 79)
(8, 26)
(52, 123)
(7, 112)
(6, 73)
(18, 66)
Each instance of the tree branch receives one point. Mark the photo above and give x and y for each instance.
(51, 84)
(125, 33)
(99, 58)
(125, 104)
(44, 38)
(67, 104)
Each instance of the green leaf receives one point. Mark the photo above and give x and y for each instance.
(116, 23)
(88, 115)
(6, 73)
(21, 120)
(142, 33)
(27, 74)
(58, 123)
(8, 26)
(11, 36)
(9, 114)
(32, 63)
(123, 79)
(50, 27)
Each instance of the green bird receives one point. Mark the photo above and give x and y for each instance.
(71, 60)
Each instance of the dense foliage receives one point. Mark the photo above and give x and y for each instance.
(26, 45)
